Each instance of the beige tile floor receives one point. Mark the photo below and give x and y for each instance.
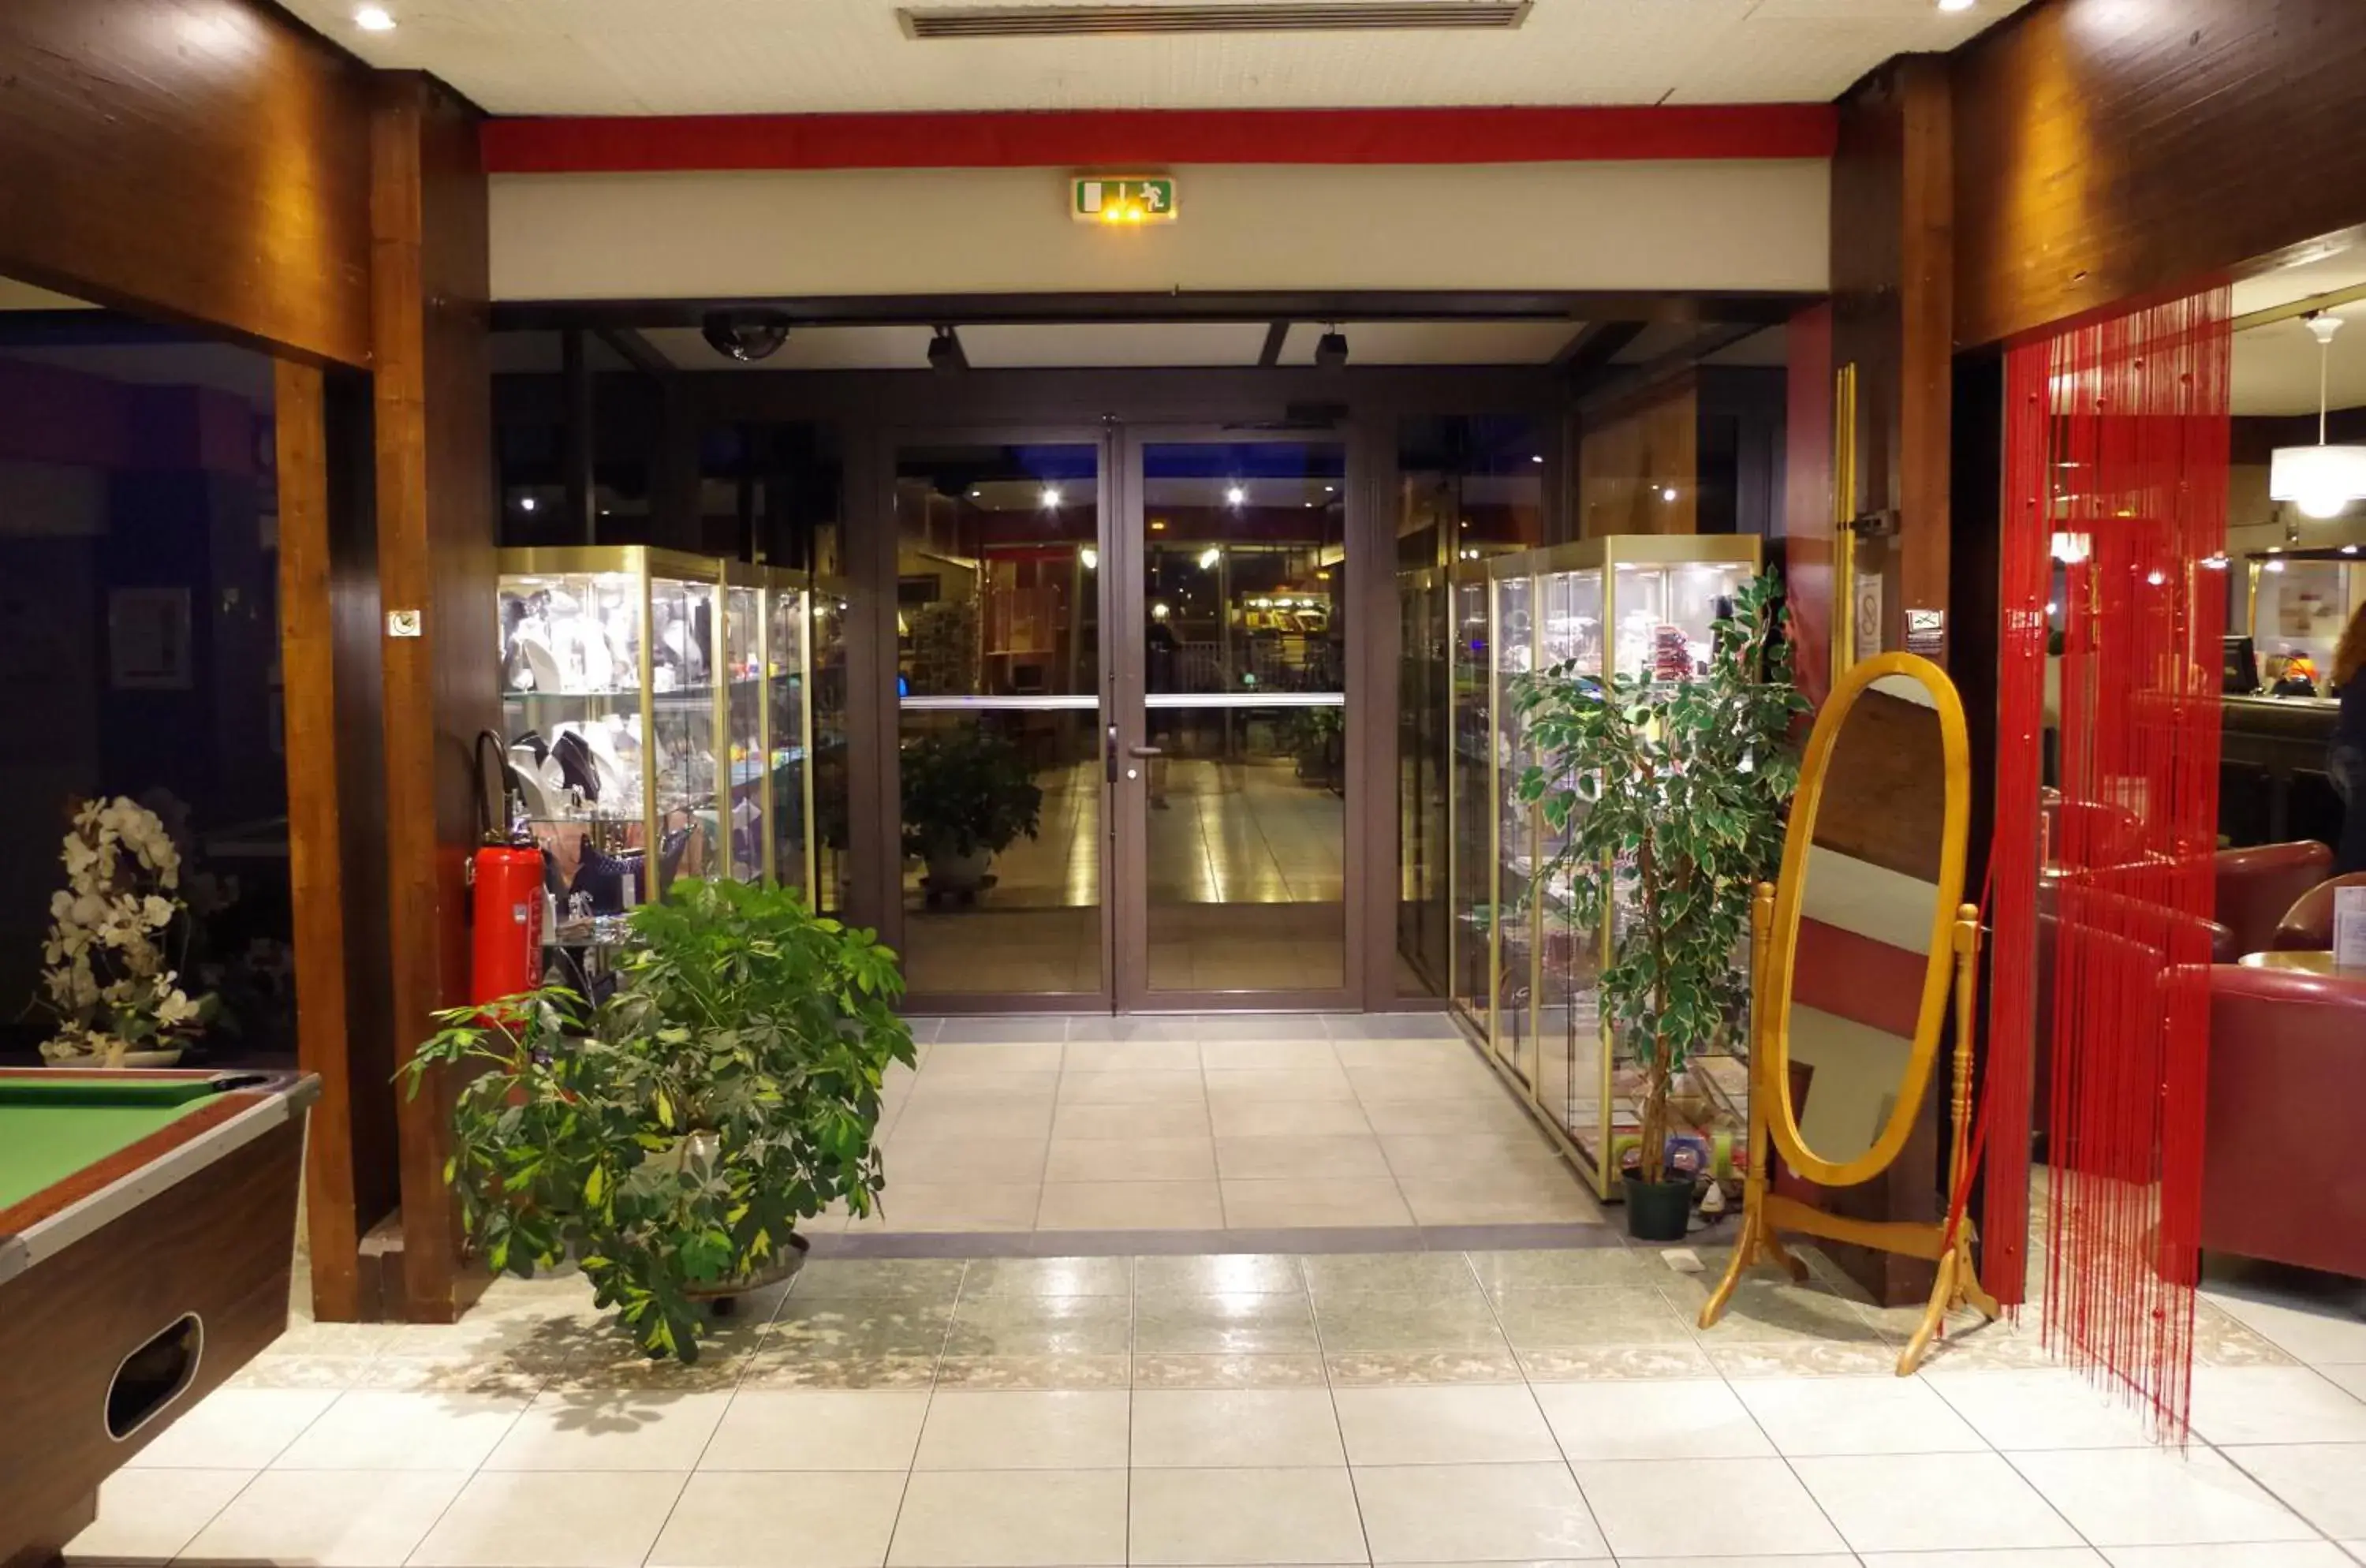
(1240, 1123)
(1252, 1409)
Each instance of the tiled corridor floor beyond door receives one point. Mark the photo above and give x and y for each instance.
(1067, 1137)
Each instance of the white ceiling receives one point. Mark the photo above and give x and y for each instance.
(1141, 344)
(2275, 365)
(675, 57)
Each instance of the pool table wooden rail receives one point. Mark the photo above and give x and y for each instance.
(205, 1226)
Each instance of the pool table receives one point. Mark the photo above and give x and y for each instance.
(147, 1232)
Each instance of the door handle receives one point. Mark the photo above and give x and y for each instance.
(1145, 752)
(1109, 754)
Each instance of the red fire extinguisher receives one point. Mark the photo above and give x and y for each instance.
(505, 879)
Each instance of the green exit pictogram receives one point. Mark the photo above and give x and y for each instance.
(1122, 199)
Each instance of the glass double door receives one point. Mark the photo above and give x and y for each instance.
(1122, 691)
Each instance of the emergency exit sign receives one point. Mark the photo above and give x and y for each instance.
(1122, 199)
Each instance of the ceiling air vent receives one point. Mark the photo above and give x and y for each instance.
(1279, 16)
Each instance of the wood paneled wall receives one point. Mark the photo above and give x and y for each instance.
(205, 160)
(2108, 152)
(1893, 270)
(435, 522)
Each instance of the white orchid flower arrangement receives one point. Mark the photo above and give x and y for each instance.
(117, 931)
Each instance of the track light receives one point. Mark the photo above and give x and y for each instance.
(1331, 349)
(945, 351)
(745, 335)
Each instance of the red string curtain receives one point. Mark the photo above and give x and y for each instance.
(2115, 538)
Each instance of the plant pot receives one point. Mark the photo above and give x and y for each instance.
(950, 872)
(1659, 1210)
(142, 1059)
(723, 1298)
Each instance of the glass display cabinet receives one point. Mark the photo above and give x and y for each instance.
(617, 669)
(1469, 797)
(747, 622)
(787, 740)
(1641, 605)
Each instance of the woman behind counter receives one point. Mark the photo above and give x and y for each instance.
(2346, 759)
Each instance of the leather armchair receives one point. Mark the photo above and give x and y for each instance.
(2308, 924)
(2281, 1175)
(2256, 885)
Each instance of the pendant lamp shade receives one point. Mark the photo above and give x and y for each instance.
(2322, 479)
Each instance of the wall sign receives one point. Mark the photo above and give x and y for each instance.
(1122, 199)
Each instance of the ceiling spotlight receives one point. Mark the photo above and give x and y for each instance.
(1331, 349)
(1956, 5)
(1236, 496)
(745, 335)
(373, 19)
(1050, 495)
(945, 351)
(1537, 458)
(1668, 492)
(525, 504)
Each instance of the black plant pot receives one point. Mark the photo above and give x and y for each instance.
(1659, 1210)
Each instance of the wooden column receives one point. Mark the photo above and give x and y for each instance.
(1893, 310)
(315, 867)
(431, 288)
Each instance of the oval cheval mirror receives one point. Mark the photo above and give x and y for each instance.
(1857, 951)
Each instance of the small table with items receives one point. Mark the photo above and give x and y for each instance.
(147, 1234)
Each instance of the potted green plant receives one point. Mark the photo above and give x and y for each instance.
(1666, 798)
(669, 1140)
(967, 796)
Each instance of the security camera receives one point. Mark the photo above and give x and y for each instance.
(746, 336)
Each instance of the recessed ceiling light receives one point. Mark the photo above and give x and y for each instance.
(1955, 5)
(373, 19)
(1235, 495)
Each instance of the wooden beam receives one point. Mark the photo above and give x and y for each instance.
(206, 163)
(638, 352)
(431, 282)
(1593, 346)
(1276, 334)
(1627, 381)
(315, 865)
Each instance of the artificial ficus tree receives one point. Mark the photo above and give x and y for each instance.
(1667, 799)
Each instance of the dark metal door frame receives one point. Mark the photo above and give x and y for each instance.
(878, 414)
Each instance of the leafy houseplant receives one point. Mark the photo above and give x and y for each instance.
(1671, 795)
(119, 940)
(967, 794)
(671, 1139)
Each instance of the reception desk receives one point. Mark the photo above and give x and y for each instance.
(2272, 783)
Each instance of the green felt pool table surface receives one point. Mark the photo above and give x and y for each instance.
(54, 1125)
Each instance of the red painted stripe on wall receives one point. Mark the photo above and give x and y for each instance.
(1159, 138)
(1859, 979)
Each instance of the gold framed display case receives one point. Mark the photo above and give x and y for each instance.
(1646, 603)
(616, 704)
(786, 743)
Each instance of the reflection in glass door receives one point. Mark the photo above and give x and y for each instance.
(999, 684)
(1236, 771)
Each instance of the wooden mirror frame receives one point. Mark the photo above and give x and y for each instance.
(1782, 953)
(1955, 943)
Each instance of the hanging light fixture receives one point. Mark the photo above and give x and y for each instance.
(2322, 479)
